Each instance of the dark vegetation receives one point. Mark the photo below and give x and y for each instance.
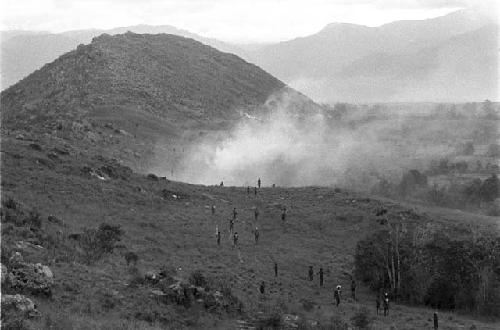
(447, 268)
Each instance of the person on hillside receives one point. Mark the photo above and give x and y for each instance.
(336, 295)
(377, 302)
(275, 269)
(386, 304)
(213, 209)
(258, 183)
(311, 273)
(255, 191)
(262, 288)
(353, 289)
(248, 190)
(436, 324)
(222, 183)
(235, 239)
(283, 215)
(235, 213)
(231, 226)
(256, 235)
(320, 277)
(218, 236)
(256, 214)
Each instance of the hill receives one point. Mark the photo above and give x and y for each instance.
(320, 65)
(26, 51)
(131, 90)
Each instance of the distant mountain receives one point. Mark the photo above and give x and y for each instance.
(22, 52)
(348, 62)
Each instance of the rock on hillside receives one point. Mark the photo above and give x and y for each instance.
(168, 77)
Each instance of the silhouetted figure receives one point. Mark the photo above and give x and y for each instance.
(436, 324)
(255, 191)
(248, 190)
(337, 294)
(386, 304)
(311, 273)
(258, 183)
(320, 277)
(275, 269)
(353, 289)
(231, 225)
(213, 209)
(218, 236)
(234, 213)
(256, 214)
(235, 239)
(283, 215)
(274, 186)
(262, 288)
(377, 302)
(257, 235)
(222, 183)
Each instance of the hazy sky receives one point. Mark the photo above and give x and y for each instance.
(229, 20)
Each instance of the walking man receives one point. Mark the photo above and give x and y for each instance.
(258, 183)
(213, 209)
(283, 215)
(248, 190)
(255, 191)
(231, 226)
(336, 295)
(386, 304)
(275, 269)
(311, 273)
(321, 277)
(262, 288)
(235, 239)
(377, 302)
(257, 235)
(218, 236)
(353, 289)
(256, 214)
(234, 213)
(436, 325)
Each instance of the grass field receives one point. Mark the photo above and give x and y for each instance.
(322, 228)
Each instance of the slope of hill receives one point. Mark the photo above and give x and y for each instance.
(320, 65)
(26, 51)
(169, 226)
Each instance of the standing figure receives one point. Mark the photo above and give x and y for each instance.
(320, 277)
(234, 213)
(436, 324)
(256, 235)
(231, 226)
(213, 209)
(256, 214)
(336, 295)
(255, 191)
(311, 273)
(218, 236)
(377, 302)
(248, 190)
(283, 215)
(258, 183)
(353, 289)
(222, 183)
(275, 269)
(235, 239)
(386, 304)
(262, 288)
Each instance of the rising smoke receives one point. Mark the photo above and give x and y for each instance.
(287, 147)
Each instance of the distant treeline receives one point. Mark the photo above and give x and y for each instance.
(429, 265)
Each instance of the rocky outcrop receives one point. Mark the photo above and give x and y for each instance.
(36, 279)
(19, 304)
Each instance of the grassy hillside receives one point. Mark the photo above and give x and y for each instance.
(321, 230)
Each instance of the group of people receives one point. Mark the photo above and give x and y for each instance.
(337, 294)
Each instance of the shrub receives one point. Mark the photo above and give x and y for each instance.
(198, 279)
(362, 319)
(131, 257)
(34, 220)
(97, 242)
